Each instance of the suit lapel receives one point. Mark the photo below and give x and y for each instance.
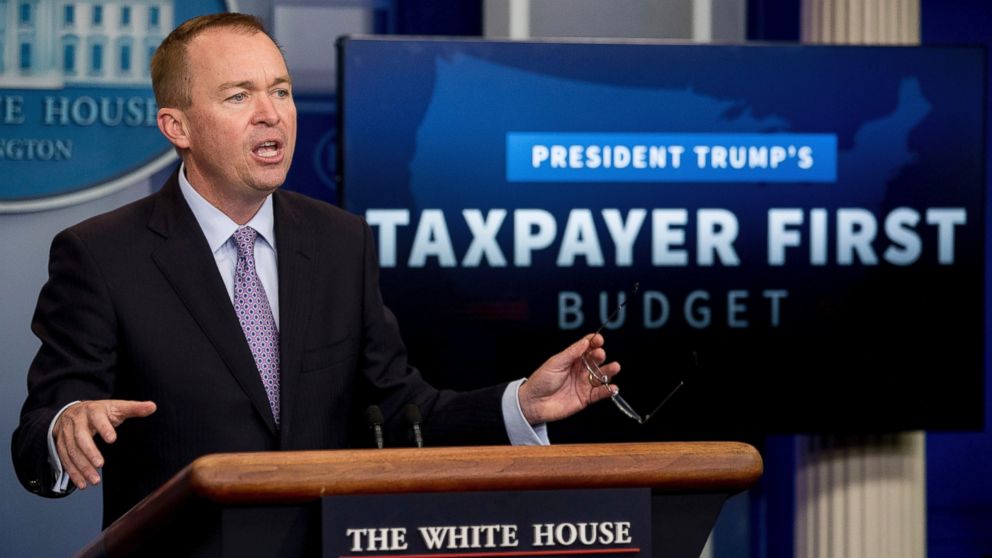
(295, 251)
(187, 263)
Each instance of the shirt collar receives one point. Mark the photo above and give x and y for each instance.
(217, 226)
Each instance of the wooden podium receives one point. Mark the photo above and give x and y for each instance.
(235, 504)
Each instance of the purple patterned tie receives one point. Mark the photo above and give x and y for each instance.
(253, 310)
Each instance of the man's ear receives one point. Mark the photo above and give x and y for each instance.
(172, 124)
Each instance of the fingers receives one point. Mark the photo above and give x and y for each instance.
(591, 343)
(79, 423)
(85, 454)
(594, 343)
(68, 464)
(594, 350)
(595, 340)
(611, 369)
(101, 424)
(603, 392)
(74, 442)
(597, 355)
(575, 350)
(121, 410)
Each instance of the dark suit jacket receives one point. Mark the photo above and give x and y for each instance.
(135, 309)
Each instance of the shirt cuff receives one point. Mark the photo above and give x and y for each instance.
(520, 432)
(61, 485)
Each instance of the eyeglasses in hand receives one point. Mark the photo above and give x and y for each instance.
(598, 378)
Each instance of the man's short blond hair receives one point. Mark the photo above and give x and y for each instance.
(171, 79)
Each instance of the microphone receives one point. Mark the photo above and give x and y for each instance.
(374, 417)
(412, 414)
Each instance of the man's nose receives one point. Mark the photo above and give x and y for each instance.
(265, 111)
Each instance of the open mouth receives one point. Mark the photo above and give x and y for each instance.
(268, 149)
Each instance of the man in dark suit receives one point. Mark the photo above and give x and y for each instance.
(222, 314)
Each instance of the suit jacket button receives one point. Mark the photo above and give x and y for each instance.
(34, 485)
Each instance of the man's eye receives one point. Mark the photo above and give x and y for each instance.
(282, 93)
(238, 97)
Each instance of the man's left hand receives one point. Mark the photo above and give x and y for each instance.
(561, 387)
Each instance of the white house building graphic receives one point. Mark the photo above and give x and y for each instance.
(58, 43)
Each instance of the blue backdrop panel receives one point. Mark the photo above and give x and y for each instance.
(804, 224)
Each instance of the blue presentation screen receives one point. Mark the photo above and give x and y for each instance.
(796, 232)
